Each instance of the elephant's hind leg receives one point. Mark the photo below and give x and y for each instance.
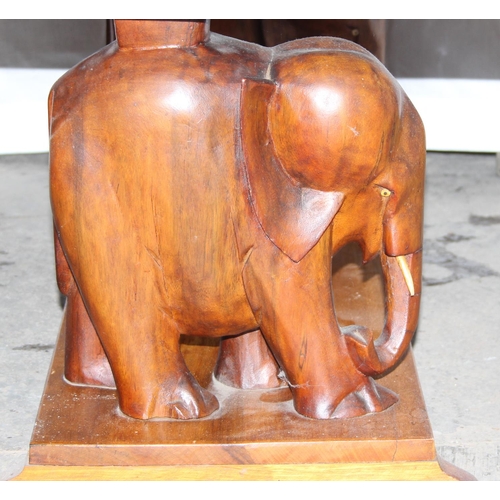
(151, 376)
(85, 361)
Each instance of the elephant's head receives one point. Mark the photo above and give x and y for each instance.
(329, 137)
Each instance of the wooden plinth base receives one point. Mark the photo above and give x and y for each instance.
(80, 434)
(381, 471)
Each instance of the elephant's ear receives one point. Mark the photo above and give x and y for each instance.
(293, 216)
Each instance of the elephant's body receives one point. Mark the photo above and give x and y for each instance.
(158, 213)
(133, 157)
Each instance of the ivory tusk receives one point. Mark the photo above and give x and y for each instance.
(403, 265)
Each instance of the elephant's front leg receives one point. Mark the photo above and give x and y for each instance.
(294, 303)
(245, 362)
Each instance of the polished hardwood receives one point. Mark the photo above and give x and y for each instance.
(80, 436)
(238, 234)
(200, 185)
(80, 425)
(437, 470)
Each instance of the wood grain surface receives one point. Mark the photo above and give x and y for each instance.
(83, 426)
(81, 435)
(200, 188)
(383, 471)
(201, 185)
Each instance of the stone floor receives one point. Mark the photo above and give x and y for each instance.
(456, 346)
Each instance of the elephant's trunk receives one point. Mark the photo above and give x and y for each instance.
(402, 283)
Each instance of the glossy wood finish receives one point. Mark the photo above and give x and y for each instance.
(201, 185)
(256, 435)
(80, 436)
(436, 470)
(81, 426)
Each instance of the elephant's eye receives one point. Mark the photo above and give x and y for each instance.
(385, 192)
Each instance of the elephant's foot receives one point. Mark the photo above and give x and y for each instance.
(367, 398)
(338, 401)
(245, 362)
(182, 399)
(96, 373)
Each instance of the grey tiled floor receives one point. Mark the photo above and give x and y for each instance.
(456, 347)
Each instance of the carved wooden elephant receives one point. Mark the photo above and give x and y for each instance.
(201, 187)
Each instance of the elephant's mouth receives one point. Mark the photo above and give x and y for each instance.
(373, 353)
